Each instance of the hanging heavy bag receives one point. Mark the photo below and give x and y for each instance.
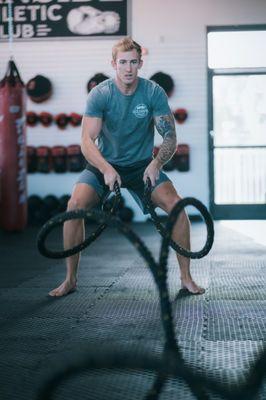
(13, 152)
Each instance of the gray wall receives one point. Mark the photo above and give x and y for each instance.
(174, 32)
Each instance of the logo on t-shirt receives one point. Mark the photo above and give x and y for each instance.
(141, 111)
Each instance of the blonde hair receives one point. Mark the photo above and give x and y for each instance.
(126, 44)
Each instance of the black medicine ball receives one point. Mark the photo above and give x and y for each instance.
(95, 80)
(39, 88)
(165, 81)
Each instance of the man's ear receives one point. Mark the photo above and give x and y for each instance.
(113, 63)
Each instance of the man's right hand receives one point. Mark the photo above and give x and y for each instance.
(110, 177)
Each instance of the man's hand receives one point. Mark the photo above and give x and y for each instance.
(152, 171)
(110, 177)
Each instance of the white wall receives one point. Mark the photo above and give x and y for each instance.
(174, 32)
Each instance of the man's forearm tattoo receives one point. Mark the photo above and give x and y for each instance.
(165, 126)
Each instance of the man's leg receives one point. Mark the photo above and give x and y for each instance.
(165, 197)
(83, 196)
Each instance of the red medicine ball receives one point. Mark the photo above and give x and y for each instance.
(180, 115)
(61, 120)
(46, 118)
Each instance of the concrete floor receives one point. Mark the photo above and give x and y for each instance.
(116, 307)
(254, 229)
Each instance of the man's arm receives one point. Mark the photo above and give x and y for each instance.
(91, 127)
(165, 126)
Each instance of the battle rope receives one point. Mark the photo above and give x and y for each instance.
(80, 214)
(171, 363)
(187, 201)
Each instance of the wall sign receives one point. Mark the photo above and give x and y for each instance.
(67, 19)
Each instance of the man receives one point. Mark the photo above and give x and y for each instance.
(121, 114)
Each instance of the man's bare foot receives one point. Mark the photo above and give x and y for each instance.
(65, 288)
(191, 286)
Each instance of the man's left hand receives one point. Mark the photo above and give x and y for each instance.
(152, 171)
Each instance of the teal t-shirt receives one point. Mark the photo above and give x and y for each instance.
(127, 134)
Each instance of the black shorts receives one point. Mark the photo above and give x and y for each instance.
(131, 177)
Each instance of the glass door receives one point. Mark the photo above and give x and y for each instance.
(237, 127)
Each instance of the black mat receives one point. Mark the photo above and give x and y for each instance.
(116, 305)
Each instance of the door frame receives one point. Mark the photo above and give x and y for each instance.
(229, 211)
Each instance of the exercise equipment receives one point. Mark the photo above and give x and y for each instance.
(182, 157)
(44, 163)
(95, 80)
(13, 152)
(165, 81)
(46, 119)
(111, 201)
(187, 201)
(59, 159)
(60, 218)
(63, 200)
(35, 210)
(39, 89)
(75, 119)
(83, 214)
(50, 206)
(61, 120)
(31, 159)
(180, 115)
(41, 209)
(75, 160)
(170, 364)
(32, 118)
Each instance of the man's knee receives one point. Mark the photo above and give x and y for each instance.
(169, 203)
(83, 198)
(77, 203)
(165, 197)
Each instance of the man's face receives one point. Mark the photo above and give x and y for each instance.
(127, 64)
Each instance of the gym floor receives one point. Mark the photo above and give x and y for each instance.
(116, 306)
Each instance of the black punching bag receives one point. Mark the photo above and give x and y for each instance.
(13, 151)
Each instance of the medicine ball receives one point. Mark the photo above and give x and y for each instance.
(35, 204)
(43, 159)
(165, 81)
(31, 159)
(39, 89)
(61, 120)
(95, 80)
(32, 118)
(51, 206)
(75, 119)
(59, 159)
(180, 115)
(45, 118)
(63, 201)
